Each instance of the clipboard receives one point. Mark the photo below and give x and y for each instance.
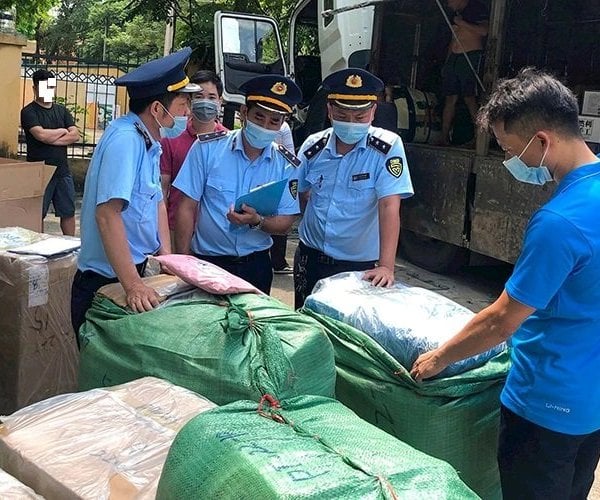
(264, 199)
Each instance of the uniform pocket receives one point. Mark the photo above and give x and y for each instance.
(221, 192)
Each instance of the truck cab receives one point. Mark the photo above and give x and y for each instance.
(466, 203)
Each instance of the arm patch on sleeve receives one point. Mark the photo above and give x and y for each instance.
(394, 166)
(293, 187)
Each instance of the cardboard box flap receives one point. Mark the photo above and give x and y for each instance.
(20, 179)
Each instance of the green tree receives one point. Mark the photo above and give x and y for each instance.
(194, 19)
(30, 13)
(102, 30)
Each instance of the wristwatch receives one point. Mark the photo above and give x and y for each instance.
(259, 224)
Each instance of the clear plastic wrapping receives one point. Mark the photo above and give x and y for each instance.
(100, 444)
(11, 489)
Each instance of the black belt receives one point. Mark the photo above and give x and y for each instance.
(323, 258)
(233, 259)
(94, 275)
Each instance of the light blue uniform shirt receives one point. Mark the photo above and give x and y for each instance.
(125, 166)
(342, 218)
(215, 173)
(554, 379)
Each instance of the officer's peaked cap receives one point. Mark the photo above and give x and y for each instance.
(273, 92)
(159, 76)
(352, 88)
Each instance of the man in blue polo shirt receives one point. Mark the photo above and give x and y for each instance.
(123, 215)
(550, 309)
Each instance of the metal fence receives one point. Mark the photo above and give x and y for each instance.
(88, 91)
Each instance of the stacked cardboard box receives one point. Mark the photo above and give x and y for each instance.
(38, 351)
(22, 186)
(103, 443)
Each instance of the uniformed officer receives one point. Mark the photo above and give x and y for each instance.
(351, 180)
(220, 167)
(123, 217)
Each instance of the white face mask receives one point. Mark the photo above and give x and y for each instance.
(530, 175)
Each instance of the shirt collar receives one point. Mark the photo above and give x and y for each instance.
(132, 118)
(330, 146)
(238, 145)
(579, 173)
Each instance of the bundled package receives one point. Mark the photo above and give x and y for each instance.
(11, 489)
(308, 447)
(38, 351)
(226, 347)
(100, 444)
(455, 419)
(406, 321)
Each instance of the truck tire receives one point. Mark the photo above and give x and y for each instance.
(433, 255)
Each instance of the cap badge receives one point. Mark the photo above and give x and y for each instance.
(354, 81)
(279, 88)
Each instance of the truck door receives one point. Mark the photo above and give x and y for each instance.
(246, 46)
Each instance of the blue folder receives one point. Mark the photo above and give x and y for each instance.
(264, 199)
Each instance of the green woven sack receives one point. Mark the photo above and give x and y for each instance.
(225, 348)
(455, 419)
(313, 448)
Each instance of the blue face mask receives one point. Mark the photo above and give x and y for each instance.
(257, 136)
(205, 110)
(530, 175)
(179, 124)
(348, 132)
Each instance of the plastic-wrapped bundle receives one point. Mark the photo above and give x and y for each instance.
(455, 419)
(406, 321)
(11, 489)
(312, 447)
(226, 347)
(100, 444)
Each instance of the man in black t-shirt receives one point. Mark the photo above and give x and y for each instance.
(49, 129)
(470, 24)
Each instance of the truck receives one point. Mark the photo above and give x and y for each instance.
(466, 204)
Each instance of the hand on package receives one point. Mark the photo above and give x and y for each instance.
(141, 298)
(427, 365)
(248, 216)
(380, 276)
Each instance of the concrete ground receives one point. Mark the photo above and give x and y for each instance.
(473, 287)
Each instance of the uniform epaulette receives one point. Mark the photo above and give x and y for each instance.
(317, 147)
(212, 136)
(379, 144)
(144, 134)
(288, 155)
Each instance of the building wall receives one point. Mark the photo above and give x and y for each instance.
(10, 69)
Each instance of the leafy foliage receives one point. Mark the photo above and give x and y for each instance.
(133, 30)
(194, 19)
(102, 30)
(29, 13)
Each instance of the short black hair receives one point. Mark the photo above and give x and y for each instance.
(206, 75)
(139, 105)
(41, 75)
(533, 100)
